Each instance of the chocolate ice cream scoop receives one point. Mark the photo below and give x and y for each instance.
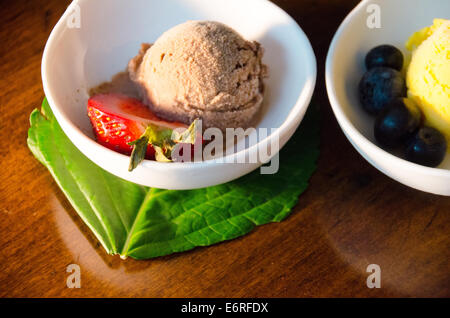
(201, 69)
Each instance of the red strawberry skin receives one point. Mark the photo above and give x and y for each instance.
(118, 120)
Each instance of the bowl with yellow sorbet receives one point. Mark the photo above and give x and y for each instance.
(410, 104)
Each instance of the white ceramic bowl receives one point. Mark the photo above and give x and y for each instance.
(111, 32)
(345, 67)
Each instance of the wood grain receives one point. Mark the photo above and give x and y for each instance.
(351, 216)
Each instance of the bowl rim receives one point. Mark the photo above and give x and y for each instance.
(289, 123)
(350, 131)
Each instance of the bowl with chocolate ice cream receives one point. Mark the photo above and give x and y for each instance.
(146, 90)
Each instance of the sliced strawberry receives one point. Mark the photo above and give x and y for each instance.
(118, 120)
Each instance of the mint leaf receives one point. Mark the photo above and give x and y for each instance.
(163, 141)
(159, 138)
(139, 151)
(161, 155)
(140, 222)
(189, 135)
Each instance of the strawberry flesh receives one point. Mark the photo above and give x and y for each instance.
(118, 120)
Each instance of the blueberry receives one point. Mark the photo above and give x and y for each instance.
(396, 123)
(380, 86)
(428, 147)
(385, 55)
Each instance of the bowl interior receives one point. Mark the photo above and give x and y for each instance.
(111, 32)
(399, 19)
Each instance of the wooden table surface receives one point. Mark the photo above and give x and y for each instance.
(351, 215)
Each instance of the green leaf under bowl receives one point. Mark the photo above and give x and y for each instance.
(140, 222)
